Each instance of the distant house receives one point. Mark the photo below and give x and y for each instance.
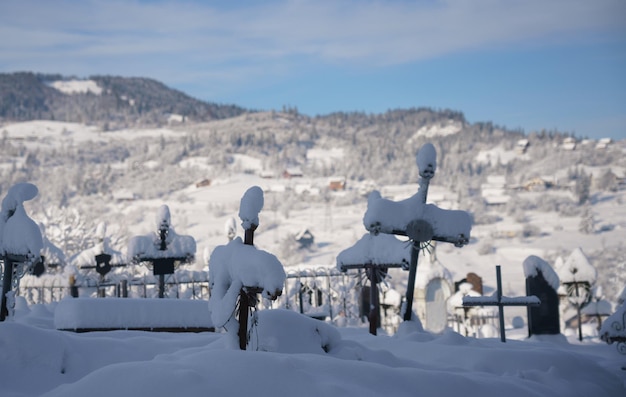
(294, 172)
(305, 238)
(569, 143)
(124, 195)
(604, 143)
(337, 184)
(494, 190)
(537, 184)
(203, 183)
(175, 119)
(266, 174)
(522, 146)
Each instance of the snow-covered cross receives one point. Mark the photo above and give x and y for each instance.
(20, 241)
(498, 300)
(375, 254)
(100, 257)
(417, 220)
(577, 276)
(162, 249)
(238, 272)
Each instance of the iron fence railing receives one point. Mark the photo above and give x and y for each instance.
(323, 293)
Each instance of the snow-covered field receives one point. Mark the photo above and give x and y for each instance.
(298, 355)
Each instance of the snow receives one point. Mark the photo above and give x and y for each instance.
(88, 256)
(533, 265)
(498, 155)
(386, 216)
(127, 313)
(614, 326)
(19, 234)
(443, 129)
(426, 160)
(237, 265)
(77, 86)
(597, 308)
(148, 246)
(251, 205)
(577, 268)
(297, 356)
(378, 249)
(36, 359)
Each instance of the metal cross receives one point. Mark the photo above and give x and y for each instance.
(500, 301)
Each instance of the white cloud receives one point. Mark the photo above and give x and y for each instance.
(379, 32)
(164, 39)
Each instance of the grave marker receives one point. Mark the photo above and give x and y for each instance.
(437, 293)
(500, 301)
(238, 272)
(163, 250)
(375, 254)
(577, 275)
(543, 282)
(20, 242)
(417, 220)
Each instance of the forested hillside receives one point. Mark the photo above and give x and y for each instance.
(119, 102)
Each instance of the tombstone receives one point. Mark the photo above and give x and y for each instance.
(472, 278)
(437, 294)
(476, 281)
(433, 288)
(542, 319)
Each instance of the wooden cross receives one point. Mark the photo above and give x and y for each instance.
(500, 301)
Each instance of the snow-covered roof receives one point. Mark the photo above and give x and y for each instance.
(534, 265)
(597, 308)
(376, 250)
(577, 268)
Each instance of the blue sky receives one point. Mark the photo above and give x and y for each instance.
(530, 64)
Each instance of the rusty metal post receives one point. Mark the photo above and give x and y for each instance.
(73, 287)
(500, 306)
(244, 301)
(374, 314)
(410, 289)
(578, 305)
(6, 286)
